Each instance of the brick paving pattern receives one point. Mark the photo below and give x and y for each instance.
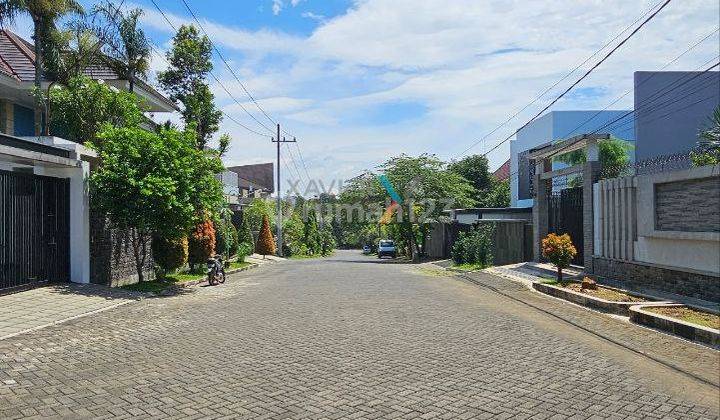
(342, 338)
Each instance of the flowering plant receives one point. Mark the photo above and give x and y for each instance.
(560, 250)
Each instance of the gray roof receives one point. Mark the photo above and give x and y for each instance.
(260, 174)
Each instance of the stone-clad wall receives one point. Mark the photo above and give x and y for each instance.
(112, 261)
(642, 276)
(688, 206)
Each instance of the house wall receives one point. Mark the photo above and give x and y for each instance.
(553, 126)
(670, 108)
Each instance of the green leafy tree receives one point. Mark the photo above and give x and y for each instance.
(327, 240)
(154, 183)
(246, 243)
(475, 170)
(44, 14)
(311, 234)
(185, 81)
(126, 48)
(498, 196)
(84, 106)
(256, 210)
(707, 151)
(294, 235)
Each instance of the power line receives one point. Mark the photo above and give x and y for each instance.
(585, 75)
(302, 161)
(219, 82)
(548, 89)
(217, 51)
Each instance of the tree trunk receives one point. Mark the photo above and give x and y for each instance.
(139, 250)
(131, 82)
(559, 274)
(38, 73)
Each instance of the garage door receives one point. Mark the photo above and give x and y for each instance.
(34, 230)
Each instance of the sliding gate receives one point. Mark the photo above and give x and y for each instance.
(565, 215)
(34, 229)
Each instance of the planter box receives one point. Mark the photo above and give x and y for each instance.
(675, 326)
(618, 308)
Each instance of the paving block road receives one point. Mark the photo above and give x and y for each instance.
(348, 337)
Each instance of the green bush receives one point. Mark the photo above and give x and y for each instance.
(226, 238)
(169, 254)
(327, 241)
(475, 246)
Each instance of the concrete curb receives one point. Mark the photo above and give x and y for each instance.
(613, 307)
(693, 332)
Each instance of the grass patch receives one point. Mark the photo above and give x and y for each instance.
(686, 314)
(306, 257)
(468, 266)
(158, 285)
(238, 264)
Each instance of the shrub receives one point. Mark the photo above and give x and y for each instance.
(327, 241)
(201, 244)
(560, 250)
(169, 254)
(265, 244)
(475, 246)
(226, 238)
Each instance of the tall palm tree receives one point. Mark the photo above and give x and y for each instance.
(128, 49)
(43, 13)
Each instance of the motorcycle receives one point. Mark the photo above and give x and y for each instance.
(215, 271)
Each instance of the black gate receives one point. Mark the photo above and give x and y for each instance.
(565, 215)
(34, 229)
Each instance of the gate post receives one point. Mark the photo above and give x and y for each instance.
(591, 174)
(540, 207)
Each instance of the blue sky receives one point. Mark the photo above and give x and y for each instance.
(359, 81)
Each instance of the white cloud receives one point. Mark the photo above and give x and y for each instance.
(470, 64)
(277, 7)
(313, 16)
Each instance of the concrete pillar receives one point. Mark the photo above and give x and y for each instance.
(591, 173)
(540, 208)
(80, 224)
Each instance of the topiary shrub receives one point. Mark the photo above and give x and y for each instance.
(560, 250)
(265, 244)
(226, 238)
(201, 244)
(459, 249)
(169, 254)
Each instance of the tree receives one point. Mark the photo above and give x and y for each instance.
(169, 254)
(185, 81)
(256, 211)
(327, 240)
(246, 243)
(265, 243)
(707, 151)
(82, 107)
(311, 234)
(126, 49)
(294, 235)
(43, 13)
(153, 183)
(498, 195)
(201, 243)
(475, 169)
(560, 250)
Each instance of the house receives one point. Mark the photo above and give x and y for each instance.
(47, 232)
(550, 128)
(671, 107)
(254, 181)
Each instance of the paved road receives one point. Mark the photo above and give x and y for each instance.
(345, 337)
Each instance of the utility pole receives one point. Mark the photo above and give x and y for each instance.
(279, 194)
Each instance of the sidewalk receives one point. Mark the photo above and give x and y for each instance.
(37, 308)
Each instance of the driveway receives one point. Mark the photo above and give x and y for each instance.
(343, 337)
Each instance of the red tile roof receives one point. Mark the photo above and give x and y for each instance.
(503, 172)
